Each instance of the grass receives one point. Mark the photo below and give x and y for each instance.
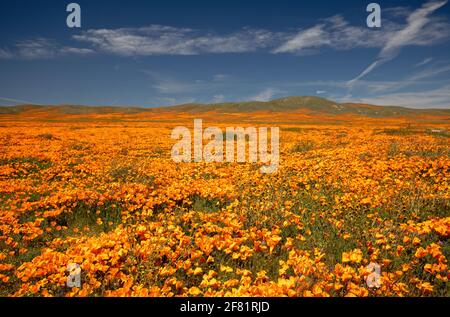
(81, 146)
(206, 205)
(46, 136)
(293, 129)
(303, 146)
(402, 131)
(394, 149)
(409, 130)
(439, 133)
(429, 153)
(130, 173)
(28, 165)
(41, 163)
(85, 215)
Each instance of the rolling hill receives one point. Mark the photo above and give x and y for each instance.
(313, 105)
(307, 104)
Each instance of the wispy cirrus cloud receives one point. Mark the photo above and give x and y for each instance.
(66, 50)
(265, 95)
(18, 101)
(219, 98)
(424, 62)
(36, 49)
(147, 41)
(171, 101)
(166, 84)
(428, 73)
(421, 77)
(221, 77)
(41, 48)
(305, 41)
(435, 98)
(170, 84)
(166, 40)
(334, 33)
(421, 29)
(4, 54)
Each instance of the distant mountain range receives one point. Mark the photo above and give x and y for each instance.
(307, 104)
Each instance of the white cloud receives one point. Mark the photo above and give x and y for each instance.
(437, 98)
(165, 40)
(220, 77)
(41, 48)
(36, 49)
(418, 31)
(396, 12)
(321, 92)
(170, 101)
(414, 32)
(76, 51)
(429, 73)
(169, 84)
(4, 54)
(265, 95)
(419, 77)
(218, 98)
(336, 33)
(424, 62)
(311, 38)
(19, 101)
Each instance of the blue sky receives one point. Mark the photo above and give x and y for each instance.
(156, 53)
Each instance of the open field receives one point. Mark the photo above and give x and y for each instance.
(101, 190)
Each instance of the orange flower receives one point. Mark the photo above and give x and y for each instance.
(197, 271)
(194, 291)
(426, 288)
(420, 253)
(226, 269)
(354, 256)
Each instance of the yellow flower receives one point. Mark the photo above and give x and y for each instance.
(194, 291)
(226, 269)
(420, 253)
(354, 256)
(198, 270)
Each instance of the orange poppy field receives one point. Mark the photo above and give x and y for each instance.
(100, 190)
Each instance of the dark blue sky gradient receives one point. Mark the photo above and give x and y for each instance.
(104, 78)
